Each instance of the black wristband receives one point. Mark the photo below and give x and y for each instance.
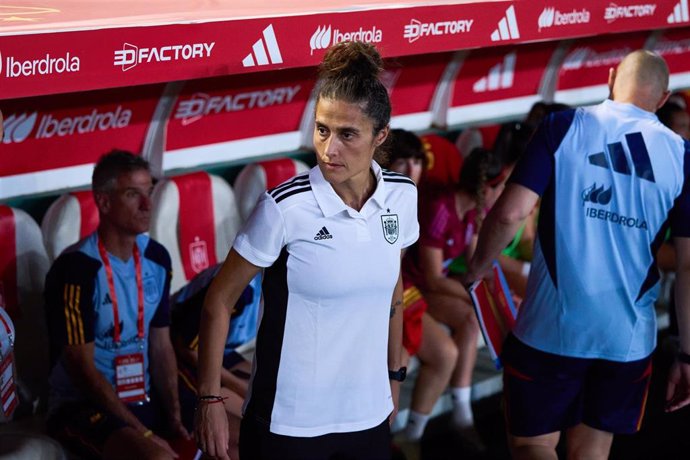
(683, 357)
(398, 375)
(210, 398)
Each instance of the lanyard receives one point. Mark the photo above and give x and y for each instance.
(113, 295)
(9, 334)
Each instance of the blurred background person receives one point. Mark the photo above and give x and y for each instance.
(449, 219)
(423, 336)
(676, 118)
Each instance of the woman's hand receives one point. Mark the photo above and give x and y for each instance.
(395, 393)
(211, 430)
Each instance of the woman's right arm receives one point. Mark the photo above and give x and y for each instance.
(431, 264)
(211, 427)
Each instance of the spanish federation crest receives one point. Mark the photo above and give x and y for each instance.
(390, 227)
(198, 253)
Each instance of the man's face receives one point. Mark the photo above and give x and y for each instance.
(128, 207)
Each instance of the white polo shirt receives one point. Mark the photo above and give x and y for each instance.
(321, 363)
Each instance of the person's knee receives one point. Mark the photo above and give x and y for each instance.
(584, 442)
(546, 440)
(152, 451)
(448, 355)
(588, 452)
(159, 454)
(470, 326)
(464, 320)
(128, 443)
(534, 447)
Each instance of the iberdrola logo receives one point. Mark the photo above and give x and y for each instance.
(597, 195)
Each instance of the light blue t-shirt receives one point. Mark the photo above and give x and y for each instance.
(80, 310)
(187, 304)
(611, 179)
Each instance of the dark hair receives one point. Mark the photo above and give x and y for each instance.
(481, 167)
(540, 110)
(667, 111)
(405, 144)
(512, 140)
(113, 164)
(350, 72)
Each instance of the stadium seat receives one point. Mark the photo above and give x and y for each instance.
(470, 138)
(23, 266)
(195, 217)
(70, 218)
(255, 178)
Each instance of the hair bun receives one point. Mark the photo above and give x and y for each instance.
(351, 58)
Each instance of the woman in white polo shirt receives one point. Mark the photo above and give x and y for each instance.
(330, 241)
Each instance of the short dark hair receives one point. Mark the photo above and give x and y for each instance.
(405, 144)
(666, 112)
(113, 164)
(512, 140)
(481, 167)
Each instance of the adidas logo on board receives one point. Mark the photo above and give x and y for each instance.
(507, 27)
(500, 76)
(258, 55)
(680, 13)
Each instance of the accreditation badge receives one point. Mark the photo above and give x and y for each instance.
(8, 387)
(129, 378)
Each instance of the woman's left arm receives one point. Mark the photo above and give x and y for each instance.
(395, 334)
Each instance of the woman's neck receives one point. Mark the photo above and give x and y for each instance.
(354, 192)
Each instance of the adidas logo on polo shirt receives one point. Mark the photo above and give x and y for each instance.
(323, 234)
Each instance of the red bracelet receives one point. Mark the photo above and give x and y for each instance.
(210, 399)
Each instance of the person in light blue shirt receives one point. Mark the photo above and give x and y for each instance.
(612, 178)
(113, 384)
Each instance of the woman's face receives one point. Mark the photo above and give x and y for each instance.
(344, 141)
(412, 167)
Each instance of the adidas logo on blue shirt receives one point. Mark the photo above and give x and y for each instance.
(323, 235)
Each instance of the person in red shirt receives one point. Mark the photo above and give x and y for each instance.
(448, 227)
(423, 336)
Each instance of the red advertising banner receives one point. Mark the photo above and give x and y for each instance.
(583, 74)
(222, 119)
(59, 131)
(501, 73)
(499, 82)
(51, 142)
(80, 53)
(674, 46)
(412, 83)
(239, 107)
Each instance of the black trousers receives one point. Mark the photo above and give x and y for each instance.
(258, 443)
